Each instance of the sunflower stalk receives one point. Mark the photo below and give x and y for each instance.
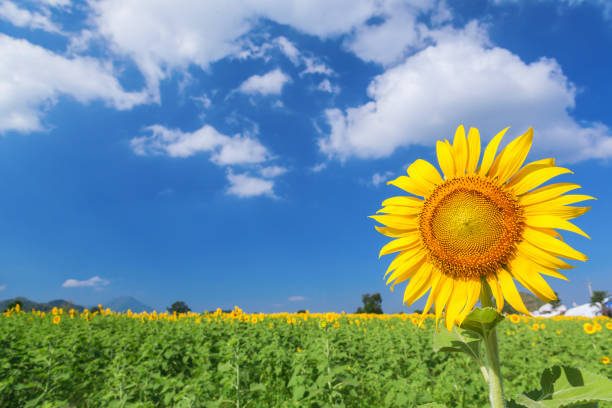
(494, 380)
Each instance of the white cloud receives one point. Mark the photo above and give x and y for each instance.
(379, 178)
(319, 167)
(314, 66)
(2, 287)
(326, 86)
(55, 3)
(272, 171)
(387, 42)
(245, 186)
(462, 79)
(225, 150)
(204, 100)
(20, 17)
(296, 298)
(95, 282)
(199, 32)
(27, 89)
(268, 84)
(289, 50)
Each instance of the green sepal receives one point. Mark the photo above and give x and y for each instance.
(482, 321)
(564, 386)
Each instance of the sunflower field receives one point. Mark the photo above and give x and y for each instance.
(108, 359)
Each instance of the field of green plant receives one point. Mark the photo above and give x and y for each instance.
(284, 360)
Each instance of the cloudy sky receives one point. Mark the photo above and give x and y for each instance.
(229, 153)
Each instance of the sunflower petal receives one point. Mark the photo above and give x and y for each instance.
(537, 177)
(445, 159)
(400, 244)
(561, 211)
(473, 292)
(397, 221)
(550, 221)
(460, 151)
(510, 292)
(529, 168)
(435, 280)
(456, 302)
(406, 272)
(490, 151)
(546, 193)
(553, 273)
(552, 245)
(408, 267)
(512, 157)
(571, 199)
(402, 257)
(394, 232)
(473, 150)
(418, 285)
(443, 292)
(523, 271)
(411, 185)
(541, 257)
(426, 172)
(406, 201)
(409, 274)
(400, 210)
(497, 292)
(549, 231)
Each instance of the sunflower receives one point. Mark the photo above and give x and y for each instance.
(478, 226)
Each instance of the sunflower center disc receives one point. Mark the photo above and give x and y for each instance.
(467, 223)
(470, 226)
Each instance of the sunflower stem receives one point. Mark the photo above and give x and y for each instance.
(496, 390)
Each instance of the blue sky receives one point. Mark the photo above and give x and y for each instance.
(229, 153)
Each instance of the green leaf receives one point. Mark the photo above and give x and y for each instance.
(482, 321)
(457, 341)
(432, 405)
(564, 386)
(298, 392)
(257, 387)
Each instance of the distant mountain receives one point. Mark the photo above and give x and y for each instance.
(123, 303)
(28, 305)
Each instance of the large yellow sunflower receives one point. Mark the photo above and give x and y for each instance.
(479, 224)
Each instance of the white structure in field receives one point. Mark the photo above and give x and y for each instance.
(548, 311)
(586, 310)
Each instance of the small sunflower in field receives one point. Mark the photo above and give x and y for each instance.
(515, 318)
(56, 319)
(609, 326)
(589, 328)
(479, 224)
(605, 360)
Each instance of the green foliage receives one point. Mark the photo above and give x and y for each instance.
(567, 387)
(116, 361)
(179, 307)
(598, 296)
(371, 304)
